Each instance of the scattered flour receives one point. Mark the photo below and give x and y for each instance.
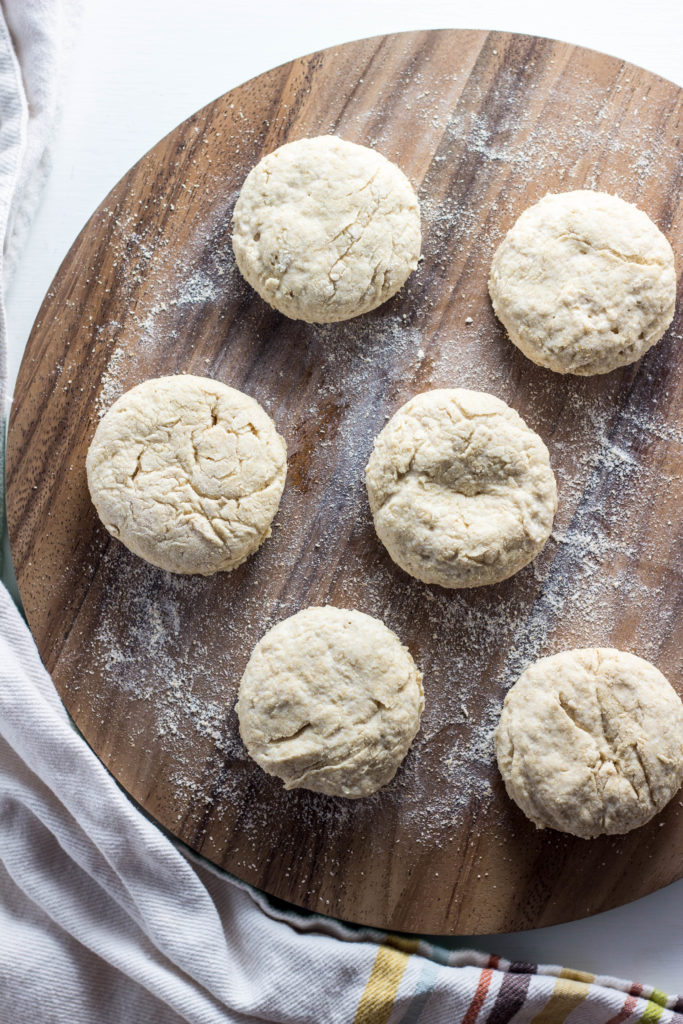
(172, 649)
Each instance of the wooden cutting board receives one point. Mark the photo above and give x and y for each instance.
(148, 663)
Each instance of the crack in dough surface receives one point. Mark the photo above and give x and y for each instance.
(330, 700)
(591, 742)
(188, 473)
(584, 282)
(461, 490)
(325, 230)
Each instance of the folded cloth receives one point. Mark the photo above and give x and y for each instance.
(37, 35)
(35, 38)
(102, 917)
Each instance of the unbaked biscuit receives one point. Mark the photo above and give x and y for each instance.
(330, 700)
(187, 473)
(591, 742)
(584, 282)
(325, 229)
(461, 490)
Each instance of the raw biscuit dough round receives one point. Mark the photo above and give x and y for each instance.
(325, 229)
(461, 490)
(584, 282)
(330, 700)
(187, 473)
(591, 742)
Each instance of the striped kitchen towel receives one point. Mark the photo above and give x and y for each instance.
(412, 982)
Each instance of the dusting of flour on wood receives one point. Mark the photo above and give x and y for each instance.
(180, 644)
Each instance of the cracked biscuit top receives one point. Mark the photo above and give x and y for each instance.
(187, 473)
(330, 700)
(591, 742)
(584, 282)
(325, 230)
(461, 490)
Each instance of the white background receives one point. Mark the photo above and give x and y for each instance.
(139, 67)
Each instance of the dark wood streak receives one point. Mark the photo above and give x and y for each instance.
(445, 105)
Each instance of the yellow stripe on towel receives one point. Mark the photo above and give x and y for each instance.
(378, 997)
(567, 972)
(655, 1007)
(566, 996)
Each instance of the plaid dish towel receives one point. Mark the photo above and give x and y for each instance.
(102, 918)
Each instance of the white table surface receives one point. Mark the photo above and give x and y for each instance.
(139, 67)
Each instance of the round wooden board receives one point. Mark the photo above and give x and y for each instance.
(148, 663)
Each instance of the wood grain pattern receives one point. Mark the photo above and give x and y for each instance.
(148, 664)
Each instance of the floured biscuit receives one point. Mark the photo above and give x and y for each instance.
(461, 490)
(330, 700)
(584, 282)
(591, 742)
(187, 473)
(325, 229)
